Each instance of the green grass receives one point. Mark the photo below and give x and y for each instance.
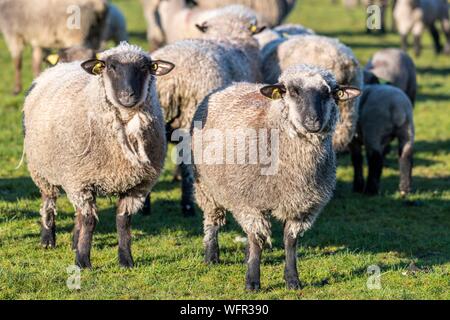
(352, 233)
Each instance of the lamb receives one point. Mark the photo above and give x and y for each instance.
(396, 67)
(116, 26)
(326, 53)
(49, 24)
(299, 113)
(414, 16)
(96, 131)
(386, 113)
(227, 53)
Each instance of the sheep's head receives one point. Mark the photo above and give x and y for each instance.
(311, 96)
(234, 21)
(127, 72)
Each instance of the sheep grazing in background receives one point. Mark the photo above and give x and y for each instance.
(116, 26)
(298, 116)
(227, 53)
(397, 68)
(326, 53)
(96, 131)
(280, 33)
(270, 12)
(44, 24)
(170, 20)
(414, 16)
(386, 113)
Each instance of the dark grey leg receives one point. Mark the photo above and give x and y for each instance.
(252, 279)
(187, 190)
(123, 223)
(48, 225)
(375, 161)
(417, 45)
(404, 40)
(17, 74)
(147, 208)
(290, 249)
(405, 161)
(211, 243)
(76, 229)
(88, 222)
(357, 161)
(435, 35)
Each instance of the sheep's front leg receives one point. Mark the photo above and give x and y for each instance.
(76, 229)
(187, 190)
(375, 161)
(406, 160)
(48, 225)
(37, 60)
(435, 35)
(127, 206)
(291, 231)
(87, 223)
(357, 161)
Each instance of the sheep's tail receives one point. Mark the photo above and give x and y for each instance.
(21, 159)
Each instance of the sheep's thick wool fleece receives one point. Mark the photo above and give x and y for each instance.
(76, 139)
(302, 185)
(323, 52)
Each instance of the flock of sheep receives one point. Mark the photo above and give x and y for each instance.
(99, 125)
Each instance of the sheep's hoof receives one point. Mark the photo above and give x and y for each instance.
(48, 238)
(212, 259)
(126, 261)
(253, 285)
(84, 262)
(188, 210)
(293, 284)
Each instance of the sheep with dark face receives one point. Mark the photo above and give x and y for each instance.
(298, 116)
(96, 131)
(385, 114)
(397, 68)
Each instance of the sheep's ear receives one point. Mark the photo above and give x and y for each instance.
(52, 59)
(202, 27)
(274, 92)
(344, 93)
(161, 67)
(93, 66)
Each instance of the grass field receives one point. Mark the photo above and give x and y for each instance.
(410, 244)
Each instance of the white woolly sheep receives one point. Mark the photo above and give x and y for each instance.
(298, 115)
(228, 53)
(386, 113)
(397, 68)
(96, 131)
(414, 16)
(43, 24)
(323, 52)
(280, 33)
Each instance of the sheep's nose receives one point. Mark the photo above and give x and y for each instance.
(127, 98)
(312, 124)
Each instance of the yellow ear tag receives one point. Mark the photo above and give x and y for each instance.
(155, 66)
(341, 94)
(253, 28)
(276, 94)
(98, 68)
(53, 59)
(97, 56)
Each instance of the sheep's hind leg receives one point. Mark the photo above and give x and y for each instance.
(127, 206)
(88, 221)
(375, 161)
(357, 161)
(435, 35)
(48, 225)
(406, 138)
(291, 231)
(187, 190)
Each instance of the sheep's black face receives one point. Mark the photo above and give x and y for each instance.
(313, 106)
(129, 81)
